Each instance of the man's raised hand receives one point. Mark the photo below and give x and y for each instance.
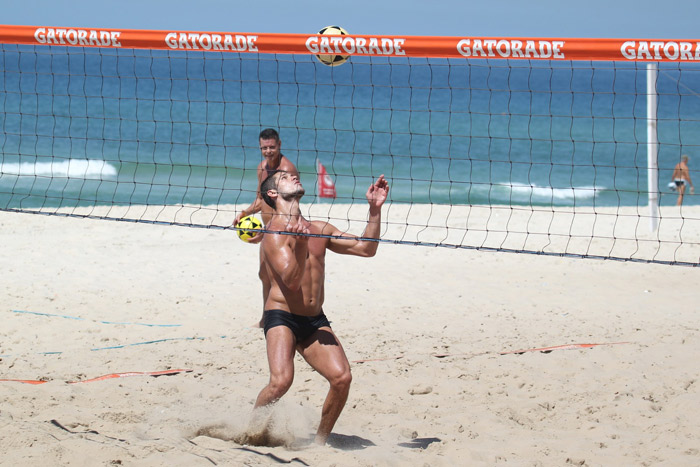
(378, 192)
(299, 226)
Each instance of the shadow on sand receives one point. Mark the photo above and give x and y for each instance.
(348, 442)
(355, 443)
(420, 443)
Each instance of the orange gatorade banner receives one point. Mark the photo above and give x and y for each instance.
(647, 50)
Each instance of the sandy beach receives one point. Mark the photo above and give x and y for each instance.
(441, 343)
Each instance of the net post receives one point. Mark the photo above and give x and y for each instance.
(652, 147)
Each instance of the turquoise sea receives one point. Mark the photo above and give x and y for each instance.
(97, 126)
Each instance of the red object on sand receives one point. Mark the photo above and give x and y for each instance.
(326, 187)
(100, 378)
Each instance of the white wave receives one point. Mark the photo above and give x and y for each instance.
(521, 192)
(72, 168)
(549, 193)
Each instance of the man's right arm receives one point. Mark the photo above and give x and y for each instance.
(286, 256)
(256, 205)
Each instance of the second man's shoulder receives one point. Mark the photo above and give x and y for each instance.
(287, 165)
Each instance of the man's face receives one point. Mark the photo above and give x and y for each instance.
(289, 187)
(270, 149)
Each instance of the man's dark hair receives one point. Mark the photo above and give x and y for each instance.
(269, 133)
(270, 183)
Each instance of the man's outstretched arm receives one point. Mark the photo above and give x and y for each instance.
(352, 245)
(256, 205)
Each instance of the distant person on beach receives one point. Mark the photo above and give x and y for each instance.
(681, 177)
(293, 318)
(273, 160)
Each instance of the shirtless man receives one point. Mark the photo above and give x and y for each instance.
(293, 317)
(681, 176)
(273, 160)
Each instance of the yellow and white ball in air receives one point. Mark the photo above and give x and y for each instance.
(332, 59)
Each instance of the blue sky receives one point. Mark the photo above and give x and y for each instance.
(503, 18)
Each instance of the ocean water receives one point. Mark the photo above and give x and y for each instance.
(93, 127)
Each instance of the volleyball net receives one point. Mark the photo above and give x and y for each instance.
(560, 147)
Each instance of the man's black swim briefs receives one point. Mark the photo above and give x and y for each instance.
(301, 326)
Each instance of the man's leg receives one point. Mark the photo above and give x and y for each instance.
(265, 279)
(681, 192)
(325, 354)
(280, 357)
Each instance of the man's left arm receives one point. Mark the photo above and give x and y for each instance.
(352, 245)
